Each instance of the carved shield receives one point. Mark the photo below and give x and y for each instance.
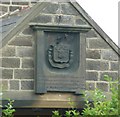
(61, 53)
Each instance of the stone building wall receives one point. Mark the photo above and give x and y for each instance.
(101, 60)
(18, 53)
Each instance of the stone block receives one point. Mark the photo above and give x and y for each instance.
(90, 85)
(11, 62)
(25, 52)
(52, 8)
(109, 55)
(24, 74)
(21, 41)
(92, 76)
(27, 63)
(7, 73)
(87, 43)
(93, 54)
(102, 86)
(3, 9)
(43, 19)
(14, 84)
(92, 65)
(104, 65)
(80, 22)
(114, 75)
(12, 9)
(0, 54)
(68, 9)
(98, 44)
(28, 31)
(97, 65)
(114, 66)
(27, 85)
(91, 34)
(4, 85)
(64, 19)
(8, 51)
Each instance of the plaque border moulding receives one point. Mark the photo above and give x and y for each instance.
(40, 71)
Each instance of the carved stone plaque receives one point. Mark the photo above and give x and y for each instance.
(61, 49)
(60, 59)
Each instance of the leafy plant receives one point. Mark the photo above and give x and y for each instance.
(71, 103)
(96, 102)
(8, 112)
(56, 114)
(72, 113)
(69, 113)
(100, 104)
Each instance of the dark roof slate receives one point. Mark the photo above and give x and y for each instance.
(7, 24)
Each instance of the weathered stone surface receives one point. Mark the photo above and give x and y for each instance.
(93, 54)
(92, 76)
(80, 22)
(11, 62)
(92, 65)
(20, 3)
(98, 44)
(13, 8)
(7, 73)
(63, 19)
(104, 65)
(14, 85)
(114, 75)
(27, 63)
(42, 19)
(109, 55)
(27, 85)
(28, 31)
(68, 9)
(3, 9)
(114, 66)
(97, 65)
(8, 51)
(90, 85)
(4, 85)
(102, 86)
(91, 34)
(21, 41)
(25, 52)
(52, 8)
(0, 55)
(87, 43)
(24, 74)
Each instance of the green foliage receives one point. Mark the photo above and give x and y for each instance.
(72, 113)
(100, 104)
(56, 114)
(69, 113)
(97, 104)
(8, 112)
(71, 103)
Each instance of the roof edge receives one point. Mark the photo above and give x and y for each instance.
(96, 27)
(21, 24)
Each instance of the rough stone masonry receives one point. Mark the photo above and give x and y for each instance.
(18, 53)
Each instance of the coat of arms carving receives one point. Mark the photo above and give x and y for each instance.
(60, 54)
